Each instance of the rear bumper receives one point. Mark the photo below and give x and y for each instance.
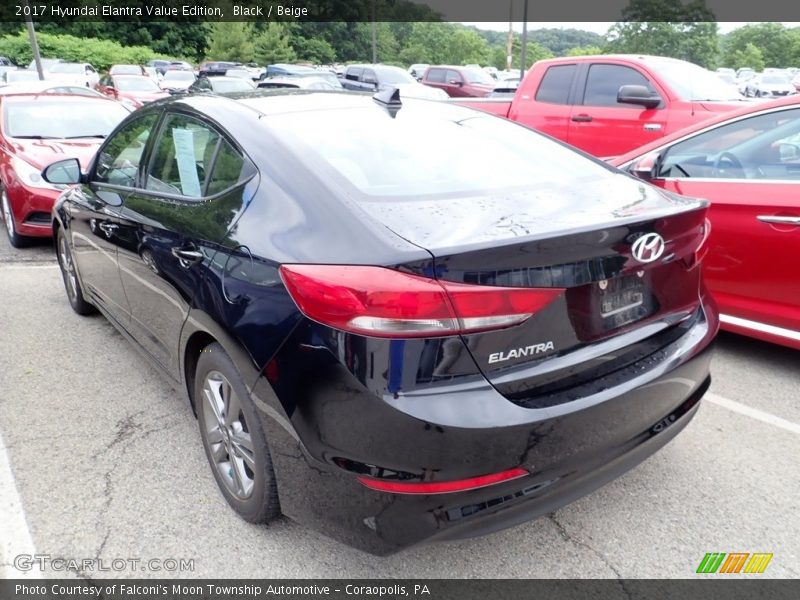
(466, 430)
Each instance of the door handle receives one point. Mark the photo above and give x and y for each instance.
(779, 220)
(582, 118)
(187, 256)
(108, 228)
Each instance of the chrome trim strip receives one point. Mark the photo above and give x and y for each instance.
(779, 220)
(762, 327)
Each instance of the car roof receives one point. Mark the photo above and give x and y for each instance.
(750, 108)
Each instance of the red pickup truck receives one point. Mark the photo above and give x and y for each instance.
(609, 105)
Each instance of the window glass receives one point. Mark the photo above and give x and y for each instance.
(604, 81)
(118, 161)
(452, 76)
(229, 169)
(353, 74)
(556, 84)
(181, 158)
(368, 76)
(436, 75)
(762, 147)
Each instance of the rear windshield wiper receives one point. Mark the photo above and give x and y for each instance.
(35, 137)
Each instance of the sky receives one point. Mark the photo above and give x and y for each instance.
(600, 28)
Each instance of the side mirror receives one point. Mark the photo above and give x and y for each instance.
(646, 167)
(638, 94)
(63, 172)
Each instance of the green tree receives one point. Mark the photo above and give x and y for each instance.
(584, 51)
(533, 52)
(231, 40)
(776, 43)
(749, 56)
(667, 28)
(272, 44)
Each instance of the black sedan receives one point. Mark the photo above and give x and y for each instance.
(378, 340)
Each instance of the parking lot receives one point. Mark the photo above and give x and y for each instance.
(99, 458)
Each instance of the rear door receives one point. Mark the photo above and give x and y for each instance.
(750, 171)
(435, 77)
(192, 192)
(352, 78)
(602, 126)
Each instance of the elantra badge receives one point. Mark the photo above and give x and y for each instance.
(648, 248)
(532, 350)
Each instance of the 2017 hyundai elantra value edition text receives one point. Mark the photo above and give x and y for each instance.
(379, 340)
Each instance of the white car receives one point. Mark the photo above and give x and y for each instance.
(80, 73)
(769, 85)
(176, 80)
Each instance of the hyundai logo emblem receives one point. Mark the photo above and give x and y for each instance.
(648, 248)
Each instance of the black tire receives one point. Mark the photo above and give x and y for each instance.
(243, 473)
(17, 240)
(72, 284)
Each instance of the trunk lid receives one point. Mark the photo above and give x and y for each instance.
(616, 311)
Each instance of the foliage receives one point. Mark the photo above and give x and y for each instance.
(778, 46)
(231, 40)
(272, 45)
(584, 51)
(445, 43)
(163, 37)
(561, 41)
(100, 53)
(749, 56)
(667, 28)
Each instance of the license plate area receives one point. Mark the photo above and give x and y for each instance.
(623, 300)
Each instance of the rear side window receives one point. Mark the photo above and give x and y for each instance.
(353, 74)
(436, 75)
(453, 76)
(556, 84)
(229, 169)
(183, 156)
(604, 81)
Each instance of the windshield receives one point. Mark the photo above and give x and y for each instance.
(136, 84)
(411, 155)
(394, 76)
(179, 76)
(54, 119)
(775, 78)
(478, 76)
(231, 85)
(691, 82)
(68, 68)
(126, 70)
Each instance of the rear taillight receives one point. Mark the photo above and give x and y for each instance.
(441, 487)
(382, 302)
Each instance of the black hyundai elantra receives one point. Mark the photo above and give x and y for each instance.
(397, 321)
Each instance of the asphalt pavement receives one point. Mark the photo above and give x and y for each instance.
(99, 458)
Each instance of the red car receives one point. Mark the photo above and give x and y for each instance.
(459, 82)
(132, 90)
(747, 164)
(36, 130)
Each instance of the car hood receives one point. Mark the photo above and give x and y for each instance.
(144, 96)
(41, 153)
(175, 85)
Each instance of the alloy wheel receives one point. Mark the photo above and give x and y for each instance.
(65, 259)
(228, 435)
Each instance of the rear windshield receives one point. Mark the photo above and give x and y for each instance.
(413, 153)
